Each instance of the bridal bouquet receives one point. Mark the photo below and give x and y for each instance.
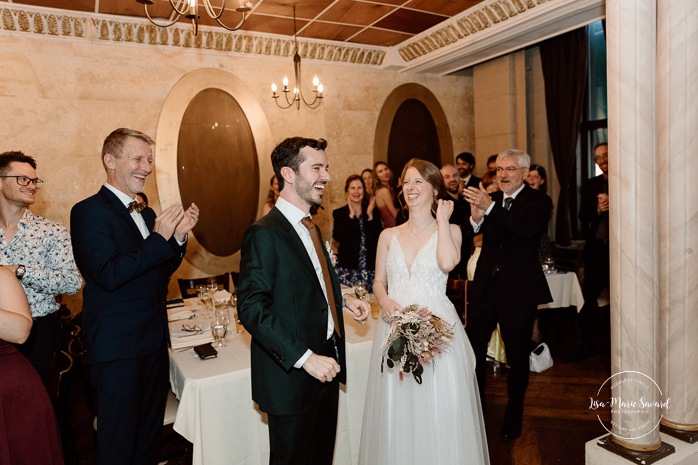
(416, 336)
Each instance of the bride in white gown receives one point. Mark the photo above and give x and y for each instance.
(438, 422)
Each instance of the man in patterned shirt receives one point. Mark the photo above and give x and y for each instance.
(39, 252)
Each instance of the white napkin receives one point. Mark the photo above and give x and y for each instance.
(221, 296)
(179, 313)
(180, 338)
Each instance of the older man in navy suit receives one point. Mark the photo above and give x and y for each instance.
(126, 255)
(509, 282)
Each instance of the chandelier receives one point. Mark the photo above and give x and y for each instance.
(298, 96)
(190, 10)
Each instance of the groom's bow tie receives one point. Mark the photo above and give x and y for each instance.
(137, 207)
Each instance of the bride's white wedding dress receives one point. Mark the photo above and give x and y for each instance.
(438, 422)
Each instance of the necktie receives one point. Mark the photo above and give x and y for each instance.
(507, 202)
(315, 236)
(137, 207)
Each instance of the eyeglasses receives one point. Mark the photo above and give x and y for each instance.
(508, 169)
(604, 157)
(24, 181)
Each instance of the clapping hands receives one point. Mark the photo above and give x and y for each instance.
(174, 220)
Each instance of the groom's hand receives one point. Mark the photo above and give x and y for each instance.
(322, 368)
(360, 308)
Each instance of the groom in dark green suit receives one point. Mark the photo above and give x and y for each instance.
(291, 303)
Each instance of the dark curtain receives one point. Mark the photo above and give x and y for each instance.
(564, 62)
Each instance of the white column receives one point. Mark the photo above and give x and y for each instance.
(677, 151)
(631, 27)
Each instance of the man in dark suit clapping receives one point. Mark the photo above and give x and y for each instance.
(509, 282)
(290, 302)
(126, 256)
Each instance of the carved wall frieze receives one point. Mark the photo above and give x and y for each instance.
(473, 21)
(94, 28)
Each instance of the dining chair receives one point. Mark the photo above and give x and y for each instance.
(457, 292)
(187, 286)
(58, 386)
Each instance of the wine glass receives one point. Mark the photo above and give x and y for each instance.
(219, 328)
(548, 265)
(360, 288)
(207, 301)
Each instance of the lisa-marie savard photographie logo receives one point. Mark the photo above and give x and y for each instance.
(640, 406)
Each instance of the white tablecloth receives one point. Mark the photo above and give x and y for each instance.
(565, 290)
(216, 412)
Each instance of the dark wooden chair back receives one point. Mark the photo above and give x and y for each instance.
(188, 286)
(457, 292)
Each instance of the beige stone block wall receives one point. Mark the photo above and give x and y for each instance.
(499, 106)
(60, 97)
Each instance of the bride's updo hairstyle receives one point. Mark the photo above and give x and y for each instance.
(432, 175)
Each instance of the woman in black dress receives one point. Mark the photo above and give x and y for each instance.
(357, 226)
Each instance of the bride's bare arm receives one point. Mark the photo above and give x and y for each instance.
(450, 238)
(380, 282)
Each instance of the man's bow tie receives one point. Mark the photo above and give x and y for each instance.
(137, 207)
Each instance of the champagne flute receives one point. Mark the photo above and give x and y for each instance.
(239, 328)
(360, 288)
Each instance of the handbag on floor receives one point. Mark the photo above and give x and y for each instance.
(540, 358)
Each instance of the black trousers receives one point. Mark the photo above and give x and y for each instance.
(131, 397)
(44, 339)
(307, 439)
(596, 280)
(516, 325)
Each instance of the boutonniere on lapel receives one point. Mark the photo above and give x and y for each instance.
(330, 252)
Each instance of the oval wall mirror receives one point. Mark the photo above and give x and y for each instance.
(211, 146)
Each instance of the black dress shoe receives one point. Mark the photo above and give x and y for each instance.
(510, 431)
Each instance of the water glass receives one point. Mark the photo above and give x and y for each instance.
(219, 328)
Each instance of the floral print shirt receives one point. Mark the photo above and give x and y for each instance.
(43, 247)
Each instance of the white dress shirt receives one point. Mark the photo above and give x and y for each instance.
(294, 215)
(137, 217)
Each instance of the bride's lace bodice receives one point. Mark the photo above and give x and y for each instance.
(423, 284)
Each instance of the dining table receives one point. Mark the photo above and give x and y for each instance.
(565, 289)
(216, 412)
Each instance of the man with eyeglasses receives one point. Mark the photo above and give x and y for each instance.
(593, 213)
(39, 252)
(509, 283)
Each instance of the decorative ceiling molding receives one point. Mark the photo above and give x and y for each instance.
(491, 29)
(94, 28)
